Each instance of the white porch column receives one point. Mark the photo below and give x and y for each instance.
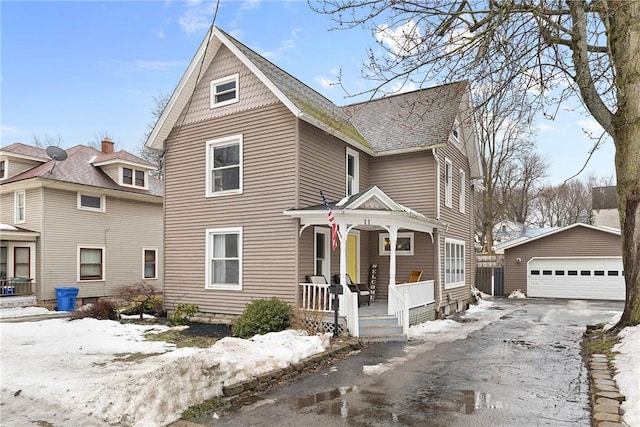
(342, 235)
(393, 241)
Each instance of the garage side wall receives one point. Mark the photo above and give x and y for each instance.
(573, 242)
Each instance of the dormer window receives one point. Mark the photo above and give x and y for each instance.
(3, 169)
(224, 91)
(456, 129)
(134, 177)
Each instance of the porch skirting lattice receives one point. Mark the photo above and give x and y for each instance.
(422, 314)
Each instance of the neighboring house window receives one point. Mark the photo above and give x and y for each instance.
(448, 182)
(3, 262)
(21, 262)
(90, 263)
(322, 252)
(353, 172)
(133, 177)
(150, 266)
(19, 198)
(453, 263)
(91, 202)
(224, 258)
(224, 166)
(461, 195)
(404, 244)
(456, 129)
(224, 91)
(3, 169)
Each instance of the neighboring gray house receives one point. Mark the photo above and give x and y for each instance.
(604, 206)
(248, 148)
(92, 221)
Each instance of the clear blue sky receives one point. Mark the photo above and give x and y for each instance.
(75, 70)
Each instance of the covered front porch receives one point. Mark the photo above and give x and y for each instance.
(17, 264)
(388, 230)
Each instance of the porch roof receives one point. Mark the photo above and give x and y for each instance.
(10, 232)
(369, 209)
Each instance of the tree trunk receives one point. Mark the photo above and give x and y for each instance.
(624, 39)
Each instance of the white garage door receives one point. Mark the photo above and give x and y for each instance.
(579, 278)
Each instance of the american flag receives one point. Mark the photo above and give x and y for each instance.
(332, 223)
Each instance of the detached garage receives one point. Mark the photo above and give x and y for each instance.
(579, 261)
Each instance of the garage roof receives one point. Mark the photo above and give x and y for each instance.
(519, 242)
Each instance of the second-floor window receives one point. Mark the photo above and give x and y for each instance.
(91, 202)
(448, 182)
(224, 91)
(133, 177)
(353, 172)
(20, 201)
(461, 192)
(3, 169)
(224, 166)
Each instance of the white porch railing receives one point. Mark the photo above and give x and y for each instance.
(404, 296)
(316, 297)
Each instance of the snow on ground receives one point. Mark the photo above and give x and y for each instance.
(97, 372)
(517, 295)
(627, 363)
(22, 312)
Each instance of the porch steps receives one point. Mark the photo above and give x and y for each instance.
(380, 328)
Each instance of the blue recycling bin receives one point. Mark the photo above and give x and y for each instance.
(66, 298)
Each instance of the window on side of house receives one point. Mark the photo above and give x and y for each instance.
(448, 182)
(454, 263)
(461, 196)
(134, 178)
(223, 268)
(91, 202)
(322, 252)
(20, 201)
(150, 263)
(353, 172)
(91, 264)
(3, 262)
(3, 169)
(224, 166)
(224, 91)
(21, 262)
(455, 132)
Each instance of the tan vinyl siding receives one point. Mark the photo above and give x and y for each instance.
(113, 171)
(17, 166)
(574, 242)
(252, 92)
(33, 205)
(409, 179)
(269, 236)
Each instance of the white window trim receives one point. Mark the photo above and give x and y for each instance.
(356, 166)
(462, 182)
(16, 206)
(448, 182)
(11, 260)
(402, 235)
(104, 263)
(457, 283)
(102, 207)
(6, 169)
(212, 90)
(327, 250)
(456, 130)
(209, 253)
(220, 142)
(132, 185)
(155, 272)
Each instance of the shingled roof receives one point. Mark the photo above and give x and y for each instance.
(409, 121)
(79, 169)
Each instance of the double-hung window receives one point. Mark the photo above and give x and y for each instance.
(22, 261)
(448, 182)
(353, 172)
(20, 201)
(224, 166)
(150, 263)
(90, 263)
(224, 91)
(454, 263)
(3, 169)
(223, 268)
(322, 251)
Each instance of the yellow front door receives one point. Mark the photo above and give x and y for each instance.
(352, 257)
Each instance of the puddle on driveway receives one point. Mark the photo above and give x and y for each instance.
(303, 402)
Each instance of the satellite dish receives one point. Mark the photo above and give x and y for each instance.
(56, 153)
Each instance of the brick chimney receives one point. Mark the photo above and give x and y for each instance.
(107, 145)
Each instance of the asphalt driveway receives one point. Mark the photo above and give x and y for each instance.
(522, 369)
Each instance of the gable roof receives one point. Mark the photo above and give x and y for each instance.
(518, 242)
(424, 116)
(25, 151)
(79, 169)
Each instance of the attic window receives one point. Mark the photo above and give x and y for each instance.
(456, 129)
(134, 178)
(3, 169)
(224, 91)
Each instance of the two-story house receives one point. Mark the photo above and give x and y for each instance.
(248, 148)
(91, 221)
